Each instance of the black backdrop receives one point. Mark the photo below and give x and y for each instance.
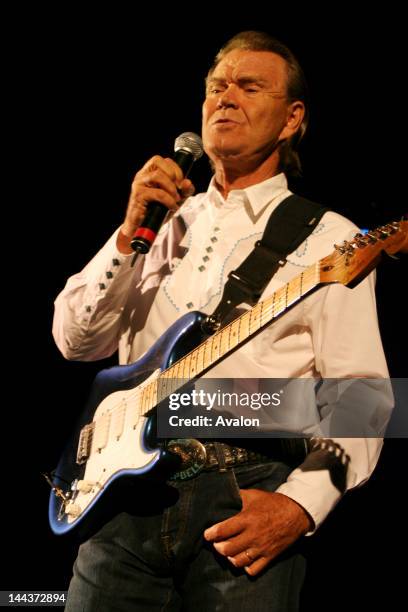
(93, 95)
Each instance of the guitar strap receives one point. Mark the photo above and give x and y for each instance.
(288, 226)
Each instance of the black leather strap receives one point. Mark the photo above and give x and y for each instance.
(288, 226)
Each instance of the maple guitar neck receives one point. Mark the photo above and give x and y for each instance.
(348, 264)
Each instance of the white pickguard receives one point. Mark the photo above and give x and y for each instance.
(119, 452)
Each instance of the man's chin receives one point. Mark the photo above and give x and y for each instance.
(226, 150)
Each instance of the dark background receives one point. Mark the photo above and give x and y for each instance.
(93, 94)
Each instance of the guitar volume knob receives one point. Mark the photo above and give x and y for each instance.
(72, 509)
(85, 486)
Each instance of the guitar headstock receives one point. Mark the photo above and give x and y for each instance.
(352, 261)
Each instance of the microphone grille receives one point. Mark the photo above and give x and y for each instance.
(191, 142)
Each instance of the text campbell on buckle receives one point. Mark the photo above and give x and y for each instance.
(193, 457)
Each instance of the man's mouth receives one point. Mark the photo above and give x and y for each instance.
(225, 120)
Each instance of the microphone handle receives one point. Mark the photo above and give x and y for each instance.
(146, 233)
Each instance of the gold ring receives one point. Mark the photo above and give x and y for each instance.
(249, 556)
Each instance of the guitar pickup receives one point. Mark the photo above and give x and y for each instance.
(100, 432)
(85, 443)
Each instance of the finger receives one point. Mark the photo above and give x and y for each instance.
(156, 195)
(257, 566)
(159, 179)
(235, 545)
(225, 529)
(166, 165)
(175, 170)
(245, 558)
(186, 188)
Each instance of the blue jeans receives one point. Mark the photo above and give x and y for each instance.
(157, 559)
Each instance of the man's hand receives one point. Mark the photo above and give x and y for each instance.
(160, 180)
(267, 524)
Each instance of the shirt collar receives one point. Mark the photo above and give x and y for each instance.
(257, 196)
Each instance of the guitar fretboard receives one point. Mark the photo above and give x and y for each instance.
(228, 338)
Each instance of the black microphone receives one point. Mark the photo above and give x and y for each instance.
(188, 147)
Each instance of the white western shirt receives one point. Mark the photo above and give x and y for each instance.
(332, 333)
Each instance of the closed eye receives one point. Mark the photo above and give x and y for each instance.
(215, 90)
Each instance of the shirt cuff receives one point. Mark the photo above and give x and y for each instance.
(314, 491)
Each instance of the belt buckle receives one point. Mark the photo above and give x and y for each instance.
(193, 457)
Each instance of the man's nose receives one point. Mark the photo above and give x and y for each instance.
(228, 98)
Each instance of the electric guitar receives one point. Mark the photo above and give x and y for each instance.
(114, 443)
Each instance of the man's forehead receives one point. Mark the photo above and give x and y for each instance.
(239, 62)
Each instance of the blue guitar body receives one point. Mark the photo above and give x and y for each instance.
(72, 507)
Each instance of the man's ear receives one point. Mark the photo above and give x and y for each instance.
(295, 115)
